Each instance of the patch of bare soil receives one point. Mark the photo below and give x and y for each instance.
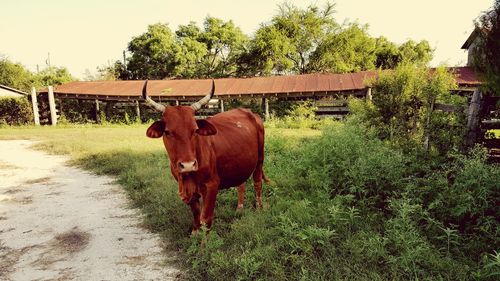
(73, 241)
(62, 223)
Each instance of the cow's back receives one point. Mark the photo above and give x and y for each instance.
(236, 145)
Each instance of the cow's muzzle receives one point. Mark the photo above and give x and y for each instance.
(186, 167)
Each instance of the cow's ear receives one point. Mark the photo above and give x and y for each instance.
(205, 128)
(156, 129)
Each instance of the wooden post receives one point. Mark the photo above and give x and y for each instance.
(137, 110)
(427, 129)
(266, 108)
(176, 102)
(97, 112)
(61, 112)
(221, 105)
(473, 119)
(369, 94)
(34, 103)
(52, 106)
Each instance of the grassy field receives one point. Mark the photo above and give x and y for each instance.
(343, 205)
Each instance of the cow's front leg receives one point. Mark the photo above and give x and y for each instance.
(195, 208)
(241, 196)
(209, 197)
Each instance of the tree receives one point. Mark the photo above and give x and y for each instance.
(413, 52)
(387, 53)
(269, 53)
(52, 76)
(153, 53)
(224, 42)
(487, 59)
(309, 40)
(14, 75)
(349, 50)
(287, 42)
(192, 52)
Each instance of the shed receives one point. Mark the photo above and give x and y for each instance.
(472, 42)
(11, 92)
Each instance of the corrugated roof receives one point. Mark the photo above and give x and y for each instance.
(465, 76)
(295, 84)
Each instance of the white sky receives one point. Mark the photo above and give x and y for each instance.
(84, 34)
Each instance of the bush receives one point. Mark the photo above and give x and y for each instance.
(350, 200)
(15, 111)
(403, 109)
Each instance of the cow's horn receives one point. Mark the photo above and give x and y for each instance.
(149, 101)
(197, 105)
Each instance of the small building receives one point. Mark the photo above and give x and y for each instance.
(471, 44)
(11, 92)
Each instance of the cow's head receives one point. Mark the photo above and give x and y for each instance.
(180, 131)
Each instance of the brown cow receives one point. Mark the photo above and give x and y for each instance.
(207, 155)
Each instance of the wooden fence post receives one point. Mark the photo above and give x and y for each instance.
(266, 108)
(97, 112)
(369, 94)
(34, 103)
(137, 110)
(52, 106)
(473, 119)
(221, 105)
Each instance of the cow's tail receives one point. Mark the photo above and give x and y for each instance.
(265, 178)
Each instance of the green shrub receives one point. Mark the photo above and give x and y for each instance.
(403, 109)
(348, 159)
(15, 111)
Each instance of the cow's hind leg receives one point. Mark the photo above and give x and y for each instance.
(241, 196)
(257, 185)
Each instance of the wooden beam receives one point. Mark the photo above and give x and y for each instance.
(447, 107)
(34, 104)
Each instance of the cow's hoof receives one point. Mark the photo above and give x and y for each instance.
(239, 208)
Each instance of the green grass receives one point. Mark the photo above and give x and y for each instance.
(140, 165)
(495, 132)
(343, 205)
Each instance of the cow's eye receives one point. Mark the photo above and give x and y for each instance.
(167, 133)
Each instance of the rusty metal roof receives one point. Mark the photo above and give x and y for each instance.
(275, 85)
(465, 76)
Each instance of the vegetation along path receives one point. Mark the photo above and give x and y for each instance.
(59, 223)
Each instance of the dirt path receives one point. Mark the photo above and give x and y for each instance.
(61, 223)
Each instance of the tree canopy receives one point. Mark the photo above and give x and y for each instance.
(294, 41)
(487, 59)
(16, 76)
